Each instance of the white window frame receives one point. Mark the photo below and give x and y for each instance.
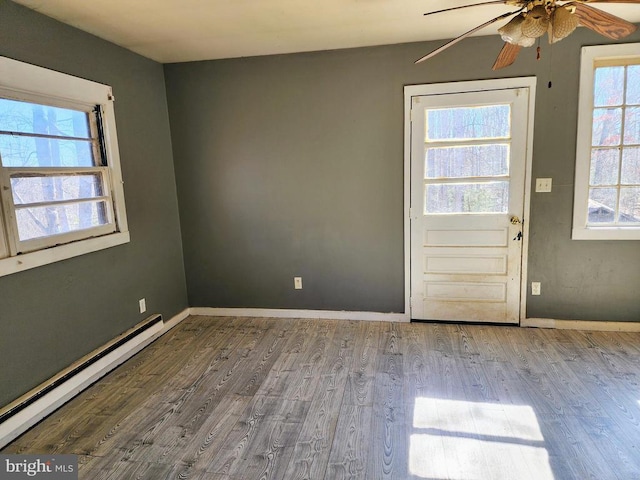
(581, 230)
(25, 82)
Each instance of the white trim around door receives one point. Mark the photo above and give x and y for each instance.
(412, 91)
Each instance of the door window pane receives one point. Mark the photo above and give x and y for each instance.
(468, 123)
(467, 161)
(487, 197)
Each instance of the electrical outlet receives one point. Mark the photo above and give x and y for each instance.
(543, 185)
(143, 305)
(297, 283)
(535, 288)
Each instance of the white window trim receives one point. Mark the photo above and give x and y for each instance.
(28, 82)
(580, 229)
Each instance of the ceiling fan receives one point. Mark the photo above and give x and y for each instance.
(533, 18)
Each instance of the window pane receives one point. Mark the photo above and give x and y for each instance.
(630, 205)
(604, 166)
(607, 125)
(602, 205)
(27, 117)
(631, 166)
(44, 152)
(608, 86)
(633, 85)
(467, 123)
(36, 222)
(469, 161)
(490, 197)
(632, 125)
(34, 189)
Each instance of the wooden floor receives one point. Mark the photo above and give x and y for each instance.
(243, 399)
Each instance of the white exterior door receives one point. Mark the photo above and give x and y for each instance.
(468, 163)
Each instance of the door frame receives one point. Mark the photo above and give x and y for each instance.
(411, 91)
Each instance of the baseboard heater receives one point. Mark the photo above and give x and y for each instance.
(33, 406)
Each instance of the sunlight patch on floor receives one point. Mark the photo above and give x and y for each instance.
(475, 441)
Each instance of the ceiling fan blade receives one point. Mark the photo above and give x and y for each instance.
(494, 2)
(465, 35)
(601, 22)
(506, 56)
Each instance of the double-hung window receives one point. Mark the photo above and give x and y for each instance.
(607, 188)
(61, 190)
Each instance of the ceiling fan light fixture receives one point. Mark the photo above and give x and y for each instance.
(525, 41)
(534, 18)
(536, 22)
(512, 32)
(563, 23)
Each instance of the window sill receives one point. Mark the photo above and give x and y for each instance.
(39, 258)
(606, 233)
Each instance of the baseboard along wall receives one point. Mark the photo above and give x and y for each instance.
(598, 326)
(23, 413)
(287, 313)
(33, 406)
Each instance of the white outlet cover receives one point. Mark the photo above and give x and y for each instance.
(543, 185)
(143, 305)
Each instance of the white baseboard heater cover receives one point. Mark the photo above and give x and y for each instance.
(33, 406)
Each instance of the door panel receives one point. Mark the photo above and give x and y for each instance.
(468, 157)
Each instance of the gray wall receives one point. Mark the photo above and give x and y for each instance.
(285, 165)
(52, 315)
(293, 165)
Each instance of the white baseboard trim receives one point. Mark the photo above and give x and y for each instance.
(175, 320)
(24, 419)
(581, 325)
(286, 313)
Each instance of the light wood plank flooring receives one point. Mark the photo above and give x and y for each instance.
(242, 399)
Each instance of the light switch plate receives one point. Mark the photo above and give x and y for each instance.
(543, 185)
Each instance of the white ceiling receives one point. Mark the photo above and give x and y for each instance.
(186, 30)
